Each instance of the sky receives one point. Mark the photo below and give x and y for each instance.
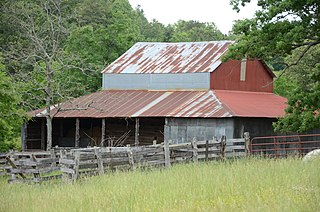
(218, 11)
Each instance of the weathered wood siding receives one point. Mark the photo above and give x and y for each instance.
(256, 126)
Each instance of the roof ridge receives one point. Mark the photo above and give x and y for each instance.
(184, 42)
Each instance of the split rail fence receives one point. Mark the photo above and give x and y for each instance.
(75, 163)
(31, 166)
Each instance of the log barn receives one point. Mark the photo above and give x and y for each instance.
(157, 91)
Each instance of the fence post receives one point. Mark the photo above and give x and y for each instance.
(99, 161)
(207, 150)
(166, 153)
(223, 144)
(194, 150)
(76, 166)
(62, 155)
(247, 143)
(130, 157)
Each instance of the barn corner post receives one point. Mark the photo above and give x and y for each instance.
(247, 143)
(103, 132)
(77, 134)
(136, 135)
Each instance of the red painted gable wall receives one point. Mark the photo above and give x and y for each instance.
(227, 77)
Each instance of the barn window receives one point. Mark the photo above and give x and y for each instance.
(243, 70)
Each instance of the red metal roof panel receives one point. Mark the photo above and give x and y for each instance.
(253, 104)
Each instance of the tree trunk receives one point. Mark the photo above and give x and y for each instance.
(48, 89)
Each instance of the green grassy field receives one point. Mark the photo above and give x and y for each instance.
(243, 185)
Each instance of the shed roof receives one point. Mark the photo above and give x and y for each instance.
(196, 104)
(185, 57)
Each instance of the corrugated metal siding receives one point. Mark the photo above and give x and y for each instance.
(197, 104)
(156, 81)
(181, 130)
(227, 77)
(188, 57)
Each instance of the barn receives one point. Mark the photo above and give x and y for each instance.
(172, 91)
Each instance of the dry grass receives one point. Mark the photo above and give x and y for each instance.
(244, 185)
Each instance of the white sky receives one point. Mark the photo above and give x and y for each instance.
(218, 11)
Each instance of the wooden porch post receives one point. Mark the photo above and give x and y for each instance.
(24, 137)
(77, 137)
(103, 131)
(136, 137)
(43, 128)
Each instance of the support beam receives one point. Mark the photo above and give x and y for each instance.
(43, 131)
(24, 137)
(136, 135)
(103, 132)
(77, 137)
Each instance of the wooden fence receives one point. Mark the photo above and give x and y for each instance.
(96, 161)
(3, 164)
(32, 166)
(74, 163)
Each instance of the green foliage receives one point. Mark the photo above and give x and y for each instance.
(11, 116)
(243, 185)
(189, 31)
(286, 29)
(302, 84)
(278, 28)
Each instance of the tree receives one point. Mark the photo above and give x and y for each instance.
(11, 117)
(301, 85)
(40, 27)
(58, 47)
(284, 28)
(190, 31)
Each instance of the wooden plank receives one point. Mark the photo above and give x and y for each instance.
(67, 170)
(77, 133)
(67, 161)
(33, 171)
(235, 148)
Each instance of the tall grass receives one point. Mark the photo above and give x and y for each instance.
(243, 185)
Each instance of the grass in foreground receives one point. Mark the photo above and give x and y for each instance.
(244, 185)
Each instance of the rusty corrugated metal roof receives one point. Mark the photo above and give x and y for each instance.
(253, 104)
(196, 104)
(186, 57)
